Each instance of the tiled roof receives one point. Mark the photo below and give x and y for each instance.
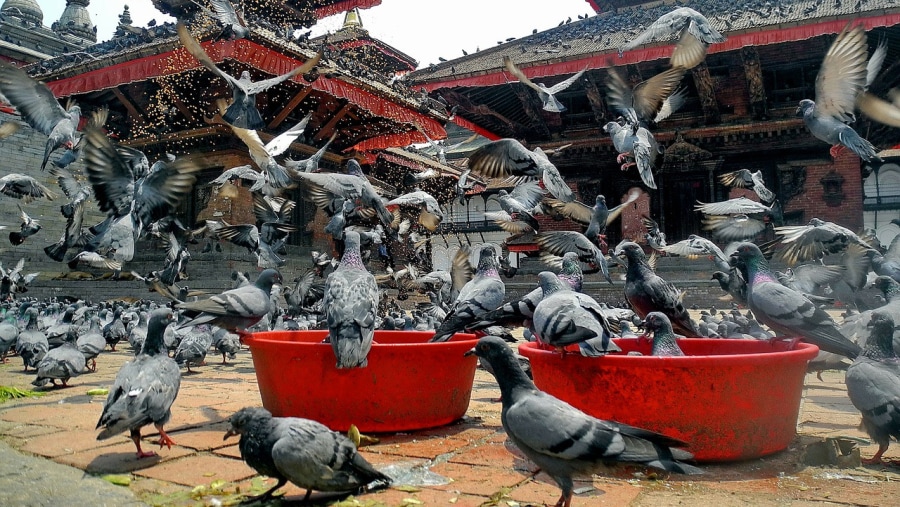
(606, 32)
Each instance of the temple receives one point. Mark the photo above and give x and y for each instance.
(739, 112)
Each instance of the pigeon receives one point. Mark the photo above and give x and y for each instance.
(787, 312)
(9, 333)
(815, 240)
(227, 344)
(144, 389)
(115, 331)
(231, 19)
(301, 451)
(696, 246)
(753, 180)
(39, 108)
(482, 294)
(192, 349)
(242, 112)
(28, 228)
(350, 303)
(841, 78)
(32, 343)
(560, 242)
(547, 94)
(564, 317)
(634, 141)
(325, 187)
(597, 217)
(684, 22)
(62, 363)
(310, 164)
(648, 292)
(24, 187)
(235, 309)
(430, 208)
(91, 343)
(648, 102)
(655, 237)
(873, 385)
(664, 338)
(509, 157)
(564, 441)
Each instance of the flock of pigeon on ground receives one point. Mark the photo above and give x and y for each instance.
(342, 295)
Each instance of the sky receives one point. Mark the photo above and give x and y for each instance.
(425, 34)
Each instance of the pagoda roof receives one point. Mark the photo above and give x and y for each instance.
(353, 36)
(154, 53)
(303, 13)
(593, 42)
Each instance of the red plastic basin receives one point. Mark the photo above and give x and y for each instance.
(728, 399)
(409, 384)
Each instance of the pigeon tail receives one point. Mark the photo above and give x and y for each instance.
(243, 116)
(858, 145)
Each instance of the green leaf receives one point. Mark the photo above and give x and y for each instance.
(117, 479)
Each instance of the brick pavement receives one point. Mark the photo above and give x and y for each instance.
(472, 455)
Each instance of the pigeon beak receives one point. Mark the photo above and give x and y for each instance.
(228, 434)
(470, 352)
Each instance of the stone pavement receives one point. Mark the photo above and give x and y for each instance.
(470, 455)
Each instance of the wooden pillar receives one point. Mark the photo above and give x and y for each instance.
(706, 89)
(755, 85)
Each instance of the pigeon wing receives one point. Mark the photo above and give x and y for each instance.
(842, 75)
(504, 157)
(33, 100)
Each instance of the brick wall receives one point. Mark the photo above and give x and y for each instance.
(812, 201)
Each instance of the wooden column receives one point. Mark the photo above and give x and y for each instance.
(706, 88)
(755, 84)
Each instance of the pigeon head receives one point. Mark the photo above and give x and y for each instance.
(881, 341)
(243, 419)
(550, 283)
(886, 285)
(268, 278)
(657, 321)
(494, 351)
(487, 258)
(745, 253)
(805, 105)
(611, 127)
(631, 251)
(601, 200)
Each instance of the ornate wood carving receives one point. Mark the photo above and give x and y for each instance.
(706, 88)
(595, 97)
(533, 108)
(791, 179)
(755, 85)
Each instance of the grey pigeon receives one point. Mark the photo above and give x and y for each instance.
(636, 142)
(509, 157)
(561, 242)
(664, 338)
(697, 246)
(430, 215)
(91, 343)
(144, 389)
(242, 112)
(597, 217)
(753, 180)
(310, 164)
(547, 94)
(483, 293)
(31, 344)
(9, 333)
(28, 228)
(787, 312)
(350, 303)
(648, 102)
(325, 187)
(564, 441)
(227, 344)
(648, 292)
(841, 79)
(192, 348)
(564, 317)
(655, 237)
(235, 309)
(39, 108)
(61, 363)
(682, 21)
(24, 187)
(873, 385)
(815, 240)
(231, 19)
(301, 451)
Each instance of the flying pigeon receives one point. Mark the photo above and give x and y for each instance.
(753, 180)
(873, 385)
(144, 389)
(696, 246)
(24, 187)
(324, 188)
(636, 142)
(231, 19)
(508, 157)
(650, 101)
(564, 317)
(815, 240)
(28, 228)
(841, 78)
(648, 292)
(560, 242)
(350, 303)
(787, 312)
(235, 309)
(547, 94)
(684, 22)
(242, 112)
(564, 441)
(301, 451)
(39, 108)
